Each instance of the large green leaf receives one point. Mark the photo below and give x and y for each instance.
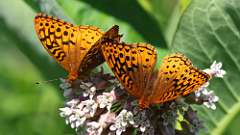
(83, 13)
(210, 30)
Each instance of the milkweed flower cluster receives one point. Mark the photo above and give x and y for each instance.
(207, 96)
(100, 105)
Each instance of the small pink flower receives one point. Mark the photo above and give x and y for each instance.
(107, 118)
(106, 99)
(215, 70)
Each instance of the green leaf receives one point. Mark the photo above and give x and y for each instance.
(105, 14)
(16, 20)
(167, 14)
(160, 9)
(210, 30)
(26, 108)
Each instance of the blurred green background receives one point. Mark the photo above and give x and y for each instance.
(204, 30)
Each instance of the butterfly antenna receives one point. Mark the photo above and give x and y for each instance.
(48, 81)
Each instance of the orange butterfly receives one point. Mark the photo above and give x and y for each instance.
(133, 65)
(76, 48)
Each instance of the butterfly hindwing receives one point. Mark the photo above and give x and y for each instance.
(177, 77)
(132, 64)
(89, 48)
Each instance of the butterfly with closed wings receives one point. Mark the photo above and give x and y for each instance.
(76, 48)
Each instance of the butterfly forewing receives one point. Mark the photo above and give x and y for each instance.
(132, 64)
(177, 77)
(50, 32)
(94, 55)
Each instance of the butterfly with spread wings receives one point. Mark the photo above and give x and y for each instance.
(133, 65)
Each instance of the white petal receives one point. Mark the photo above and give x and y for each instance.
(219, 65)
(83, 87)
(72, 125)
(213, 64)
(132, 122)
(109, 107)
(72, 118)
(206, 104)
(142, 128)
(88, 84)
(123, 111)
(112, 128)
(85, 110)
(67, 121)
(213, 107)
(85, 94)
(197, 93)
(215, 98)
(62, 114)
(82, 120)
(93, 89)
(221, 73)
(119, 132)
(205, 92)
(123, 123)
(66, 111)
(73, 102)
(91, 96)
(100, 131)
(102, 105)
(78, 123)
